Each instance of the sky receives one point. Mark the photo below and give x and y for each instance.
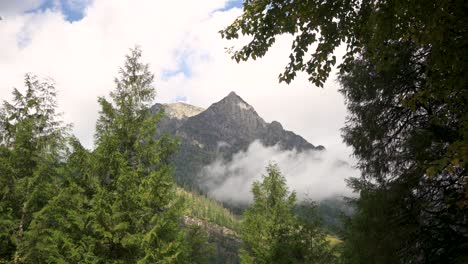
(82, 44)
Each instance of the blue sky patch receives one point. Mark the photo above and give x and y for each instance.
(179, 99)
(183, 67)
(232, 4)
(72, 10)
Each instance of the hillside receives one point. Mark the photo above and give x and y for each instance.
(203, 208)
(221, 225)
(223, 129)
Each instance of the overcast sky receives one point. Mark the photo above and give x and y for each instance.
(81, 44)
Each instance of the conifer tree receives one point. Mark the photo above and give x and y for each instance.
(272, 233)
(135, 211)
(197, 250)
(61, 232)
(31, 144)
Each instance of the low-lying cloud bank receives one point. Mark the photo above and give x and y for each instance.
(315, 175)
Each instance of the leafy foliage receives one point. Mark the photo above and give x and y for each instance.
(401, 147)
(404, 81)
(326, 22)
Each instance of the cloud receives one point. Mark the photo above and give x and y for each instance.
(316, 114)
(314, 175)
(181, 42)
(83, 57)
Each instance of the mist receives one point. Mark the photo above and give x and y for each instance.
(315, 175)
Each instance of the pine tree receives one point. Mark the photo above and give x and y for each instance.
(31, 144)
(272, 233)
(135, 211)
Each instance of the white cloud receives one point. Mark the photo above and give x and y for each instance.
(83, 57)
(315, 175)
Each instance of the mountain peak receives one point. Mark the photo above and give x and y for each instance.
(181, 110)
(177, 110)
(232, 96)
(231, 122)
(235, 102)
(232, 93)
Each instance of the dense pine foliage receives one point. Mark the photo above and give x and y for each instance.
(61, 203)
(32, 142)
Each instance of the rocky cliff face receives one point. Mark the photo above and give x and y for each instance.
(223, 129)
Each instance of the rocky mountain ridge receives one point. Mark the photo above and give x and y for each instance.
(221, 130)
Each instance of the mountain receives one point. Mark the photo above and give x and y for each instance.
(221, 130)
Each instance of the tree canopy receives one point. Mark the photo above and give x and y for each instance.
(32, 139)
(60, 203)
(135, 213)
(404, 81)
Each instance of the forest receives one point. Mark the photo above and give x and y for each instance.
(404, 81)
